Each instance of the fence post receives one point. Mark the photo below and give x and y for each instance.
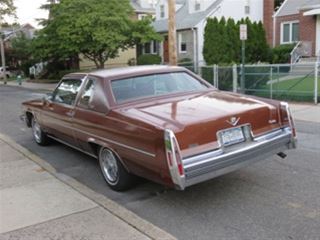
(235, 78)
(316, 82)
(271, 82)
(215, 75)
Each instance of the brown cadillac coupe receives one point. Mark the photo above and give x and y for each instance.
(161, 123)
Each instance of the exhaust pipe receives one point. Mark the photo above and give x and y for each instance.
(282, 155)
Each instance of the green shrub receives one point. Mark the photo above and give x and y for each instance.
(281, 53)
(207, 74)
(148, 59)
(225, 78)
(185, 60)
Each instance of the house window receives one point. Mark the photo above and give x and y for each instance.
(162, 12)
(289, 32)
(150, 47)
(247, 10)
(154, 47)
(197, 5)
(182, 43)
(147, 48)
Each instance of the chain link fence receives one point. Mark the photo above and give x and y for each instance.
(298, 82)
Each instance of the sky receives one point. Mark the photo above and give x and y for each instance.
(28, 11)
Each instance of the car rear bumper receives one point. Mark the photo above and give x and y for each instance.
(205, 166)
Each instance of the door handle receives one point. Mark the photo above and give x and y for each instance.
(70, 113)
(49, 106)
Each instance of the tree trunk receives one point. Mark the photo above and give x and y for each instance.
(100, 65)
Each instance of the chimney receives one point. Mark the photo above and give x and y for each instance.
(268, 11)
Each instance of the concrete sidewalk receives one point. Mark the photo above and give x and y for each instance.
(35, 204)
(305, 112)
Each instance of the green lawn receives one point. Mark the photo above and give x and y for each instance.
(296, 89)
(297, 85)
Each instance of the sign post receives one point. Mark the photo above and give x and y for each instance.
(243, 38)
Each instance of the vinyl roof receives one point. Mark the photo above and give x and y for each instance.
(107, 73)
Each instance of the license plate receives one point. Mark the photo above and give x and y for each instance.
(232, 136)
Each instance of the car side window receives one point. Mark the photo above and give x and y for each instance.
(66, 92)
(87, 94)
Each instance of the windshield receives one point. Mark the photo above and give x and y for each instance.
(154, 85)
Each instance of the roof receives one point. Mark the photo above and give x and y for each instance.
(184, 19)
(311, 4)
(291, 7)
(139, 9)
(135, 70)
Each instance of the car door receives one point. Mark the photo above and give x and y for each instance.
(58, 113)
(90, 112)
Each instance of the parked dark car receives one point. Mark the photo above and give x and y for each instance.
(162, 123)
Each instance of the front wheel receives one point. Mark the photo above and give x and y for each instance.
(39, 136)
(116, 176)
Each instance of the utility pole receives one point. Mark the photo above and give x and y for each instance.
(172, 34)
(3, 60)
(3, 39)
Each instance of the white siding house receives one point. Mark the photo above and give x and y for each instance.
(191, 19)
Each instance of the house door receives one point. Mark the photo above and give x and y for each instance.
(166, 49)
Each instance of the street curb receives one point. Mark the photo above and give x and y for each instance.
(114, 208)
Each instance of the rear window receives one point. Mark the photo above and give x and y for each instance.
(154, 85)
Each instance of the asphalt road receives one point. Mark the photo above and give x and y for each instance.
(273, 199)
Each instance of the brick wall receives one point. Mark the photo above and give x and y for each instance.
(268, 10)
(307, 28)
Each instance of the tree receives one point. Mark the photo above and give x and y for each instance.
(233, 41)
(7, 8)
(98, 29)
(222, 43)
(211, 41)
(21, 52)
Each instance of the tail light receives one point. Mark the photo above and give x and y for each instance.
(174, 159)
(286, 117)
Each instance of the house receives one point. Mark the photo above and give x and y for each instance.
(298, 22)
(141, 9)
(12, 32)
(191, 18)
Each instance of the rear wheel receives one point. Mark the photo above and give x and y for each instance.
(116, 176)
(39, 136)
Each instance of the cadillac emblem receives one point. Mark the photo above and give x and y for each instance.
(233, 121)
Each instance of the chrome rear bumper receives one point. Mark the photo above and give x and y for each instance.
(211, 164)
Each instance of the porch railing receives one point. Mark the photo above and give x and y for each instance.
(302, 49)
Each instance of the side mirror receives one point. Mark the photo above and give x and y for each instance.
(47, 98)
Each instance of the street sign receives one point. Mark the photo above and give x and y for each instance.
(243, 32)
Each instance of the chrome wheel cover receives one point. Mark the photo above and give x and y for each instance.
(109, 166)
(36, 130)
